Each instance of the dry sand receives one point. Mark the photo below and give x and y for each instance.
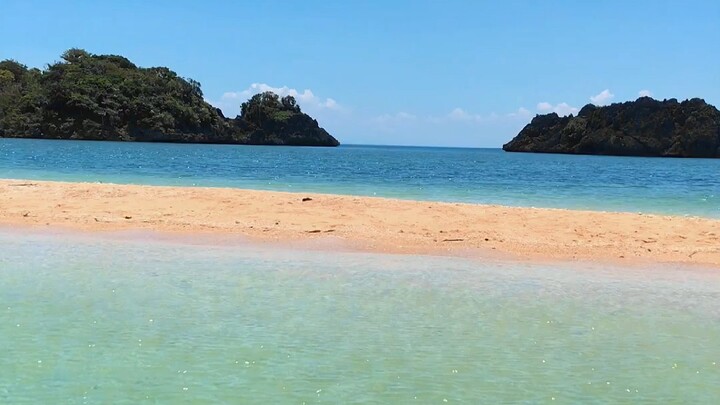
(374, 224)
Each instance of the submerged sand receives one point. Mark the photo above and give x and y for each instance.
(368, 223)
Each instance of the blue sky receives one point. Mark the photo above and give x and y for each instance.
(444, 73)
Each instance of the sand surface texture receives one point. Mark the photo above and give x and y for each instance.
(373, 224)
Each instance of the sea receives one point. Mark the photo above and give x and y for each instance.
(97, 318)
(487, 176)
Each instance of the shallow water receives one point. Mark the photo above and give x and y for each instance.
(100, 320)
(671, 186)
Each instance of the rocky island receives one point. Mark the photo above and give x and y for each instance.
(645, 127)
(107, 97)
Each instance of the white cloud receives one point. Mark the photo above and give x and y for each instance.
(645, 93)
(400, 122)
(230, 102)
(397, 118)
(561, 109)
(458, 127)
(602, 98)
(459, 114)
(566, 109)
(521, 112)
(544, 107)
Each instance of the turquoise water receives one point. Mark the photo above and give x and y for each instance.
(673, 186)
(134, 320)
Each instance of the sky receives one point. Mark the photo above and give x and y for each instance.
(394, 72)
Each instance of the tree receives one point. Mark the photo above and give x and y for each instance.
(75, 55)
(195, 85)
(289, 104)
(16, 68)
(6, 77)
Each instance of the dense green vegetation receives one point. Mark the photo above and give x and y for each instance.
(107, 97)
(645, 127)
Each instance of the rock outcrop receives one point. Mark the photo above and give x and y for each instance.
(645, 127)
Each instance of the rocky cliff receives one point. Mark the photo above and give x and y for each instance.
(645, 127)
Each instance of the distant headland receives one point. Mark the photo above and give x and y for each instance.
(107, 97)
(645, 127)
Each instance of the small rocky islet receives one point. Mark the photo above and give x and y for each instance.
(645, 127)
(107, 97)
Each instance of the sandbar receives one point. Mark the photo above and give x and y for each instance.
(367, 223)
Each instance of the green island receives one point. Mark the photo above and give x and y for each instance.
(645, 127)
(107, 97)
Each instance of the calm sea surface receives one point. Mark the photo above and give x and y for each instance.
(88, 320)
(674, 186)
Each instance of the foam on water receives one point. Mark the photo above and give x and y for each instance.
(95, 320)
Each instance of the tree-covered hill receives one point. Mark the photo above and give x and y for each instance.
(107, 97)
(645, 127)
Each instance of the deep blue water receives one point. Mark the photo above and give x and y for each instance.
(660, 185)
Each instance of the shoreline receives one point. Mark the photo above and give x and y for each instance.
(371, 224)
